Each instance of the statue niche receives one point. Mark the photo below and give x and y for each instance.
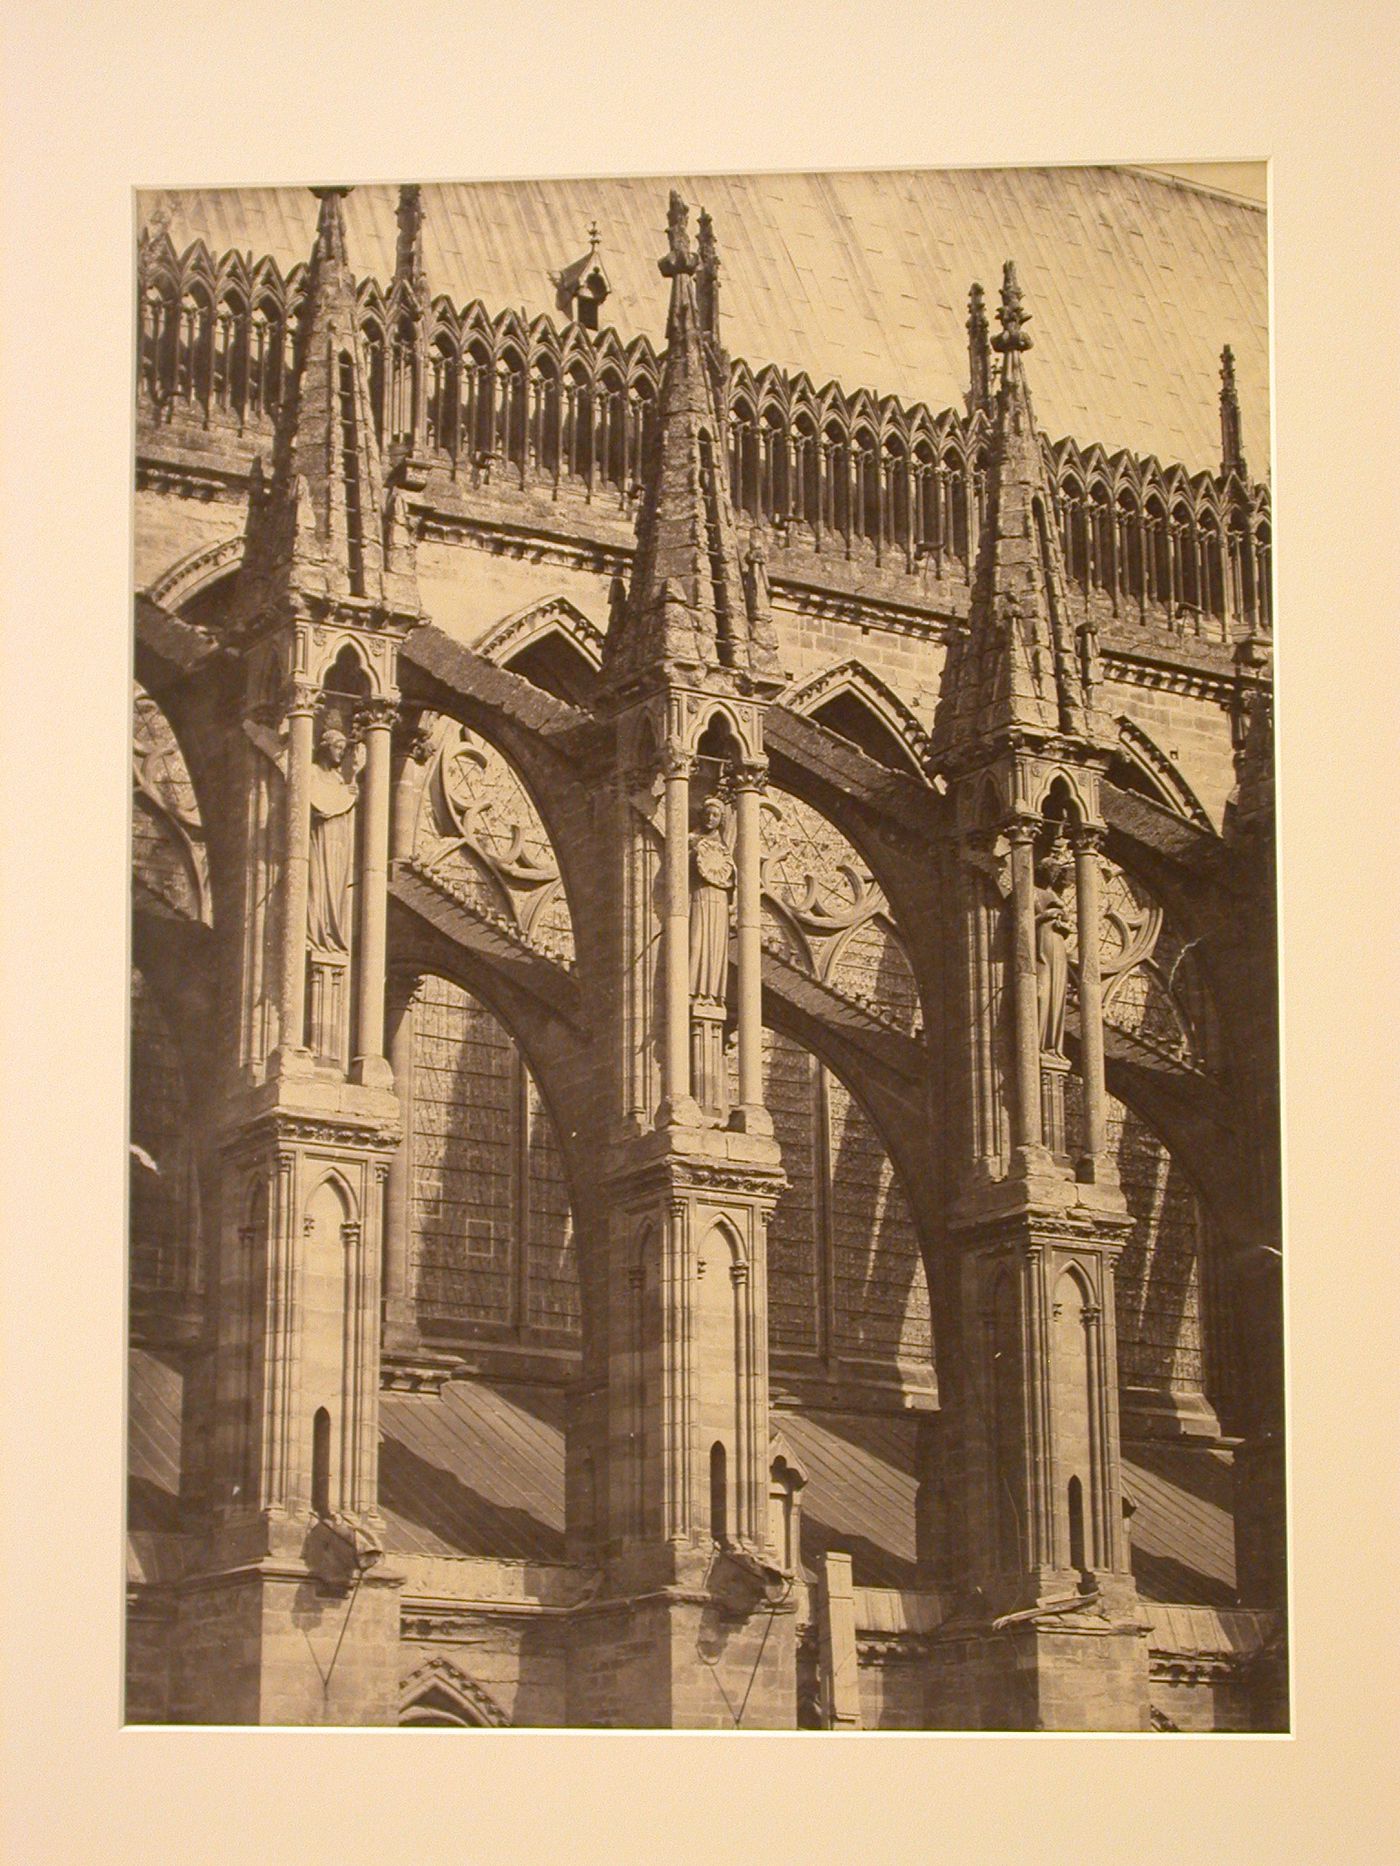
(330, 879)
(1053, 927)
(333, 793)
(712, 879)
(713, 876)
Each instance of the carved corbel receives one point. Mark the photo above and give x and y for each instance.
(980, 853)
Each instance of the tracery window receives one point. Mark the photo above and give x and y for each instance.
(1158, 1280)
(168, 850)
(479, 836)
(827, 914)
(1153, 990)
(165, 1227)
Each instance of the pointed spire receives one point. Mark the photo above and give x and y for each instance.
(707, 304)
(979, 359)
(691, 610)
(1017, 669)
(1231, 442)
(321, 529)
(330, 227)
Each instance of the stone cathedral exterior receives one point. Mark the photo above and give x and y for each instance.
(705, 1126)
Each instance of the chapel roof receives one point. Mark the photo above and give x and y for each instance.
(478, 1469)
(862, 277)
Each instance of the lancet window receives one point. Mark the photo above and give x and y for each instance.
(164, 1186)
(492, 1235)
(845, 1280)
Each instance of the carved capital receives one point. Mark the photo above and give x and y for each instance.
(1087, 839)
(413, 733)
(301, 697)
(376, 713)
(676, 761)
(1021, 828)
(749, 775)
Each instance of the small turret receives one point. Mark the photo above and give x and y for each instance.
(1018, 671)
(691, 613)
(321, 529)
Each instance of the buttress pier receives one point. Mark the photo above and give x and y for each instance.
(293, 1558)
(1045, 1632)
(690, 1562)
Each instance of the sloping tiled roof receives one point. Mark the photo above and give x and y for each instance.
(859, 1497)
(474, 1470)
(1183, 1534)
(479, 1470)
(154, 1391)
(1135, 281)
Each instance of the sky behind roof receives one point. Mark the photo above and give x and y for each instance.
(1250, 180)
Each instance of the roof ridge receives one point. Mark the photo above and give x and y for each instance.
(1174, 180)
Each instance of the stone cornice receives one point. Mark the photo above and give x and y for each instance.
(1196, 669)
(1158, 674)
(292, 1127)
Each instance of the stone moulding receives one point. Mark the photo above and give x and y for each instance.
(440, 1676)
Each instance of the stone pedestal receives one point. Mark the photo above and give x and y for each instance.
(276, 1644)
(713, 1649)
(1070, 1672)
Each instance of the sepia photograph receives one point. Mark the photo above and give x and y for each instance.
(704, 1131)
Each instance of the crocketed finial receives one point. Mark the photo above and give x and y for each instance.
(706, 244)
(1012, 315)
(979, 363)
(1231, 435)
(976, 309)
(679, 257)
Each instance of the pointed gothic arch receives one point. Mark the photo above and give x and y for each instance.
(334, 1180)
(1158, 774)
(440, 1694)
(196, 572)
(553, 644)
(859, 706)
(169, 855)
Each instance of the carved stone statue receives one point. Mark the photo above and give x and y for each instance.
(756, 588)
(1090, 663)
(712, 878)
(332, 866)
(1052, 929)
